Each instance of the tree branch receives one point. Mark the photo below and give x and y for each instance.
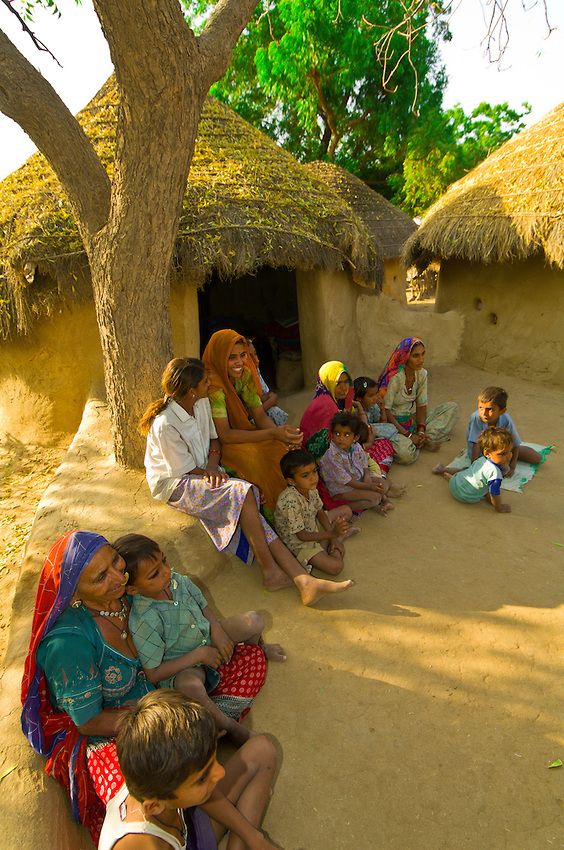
(28, 99)
(218, 38)
(39, 45)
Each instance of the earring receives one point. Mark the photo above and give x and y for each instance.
(76, 604)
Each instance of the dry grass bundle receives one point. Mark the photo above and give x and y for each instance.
(387, 225)
(248, 204)
(508, 208)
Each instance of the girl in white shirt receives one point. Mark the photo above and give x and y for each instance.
(182, 462)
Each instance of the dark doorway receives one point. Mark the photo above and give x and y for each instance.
(262, 306)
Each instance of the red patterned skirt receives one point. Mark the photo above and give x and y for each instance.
(240, 681)
(382, 451)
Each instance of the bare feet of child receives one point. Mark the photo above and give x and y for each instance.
(313, 589)
(429, 446)
(384, 507)
(274, 652)
(350, 533)
(439, 469)
(274, 579)
(395, 491)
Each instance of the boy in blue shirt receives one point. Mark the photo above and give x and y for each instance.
(492, 413)
(482, 479)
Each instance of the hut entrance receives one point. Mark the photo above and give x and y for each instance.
(263, 306)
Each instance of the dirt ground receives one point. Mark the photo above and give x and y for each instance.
(418, 711)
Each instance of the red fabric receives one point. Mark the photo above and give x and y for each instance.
(103, 766)
(382, 451)
(244, 674)
(319, 413)
(328, 501)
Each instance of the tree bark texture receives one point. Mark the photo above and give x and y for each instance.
(163, 74)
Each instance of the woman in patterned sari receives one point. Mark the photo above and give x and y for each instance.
(403, 386)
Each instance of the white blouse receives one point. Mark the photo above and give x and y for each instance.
(176, 444)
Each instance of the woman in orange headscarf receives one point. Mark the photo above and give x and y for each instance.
(251, 444)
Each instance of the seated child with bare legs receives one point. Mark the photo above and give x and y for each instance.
(344, 468)
(176, 794)
(180, 641)
(482, 479)
(492, 412)
(313, 535)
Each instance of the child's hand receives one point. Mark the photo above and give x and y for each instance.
(214, 477)
(340, 526)
(208, 655)
(261, 842)
(377, 485)
(503, 509)
(221, 641)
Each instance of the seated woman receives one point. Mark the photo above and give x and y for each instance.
(251, 444)
(182, 464)
(333, 393)
(82, 672)
(403, 385)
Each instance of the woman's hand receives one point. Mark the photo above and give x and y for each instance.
(208, 655)
(214, 476)
(222, 642)
(417, 439)
(291, 437)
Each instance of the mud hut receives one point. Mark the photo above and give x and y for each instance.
(260, 238)
(499, 236)
(387, 225)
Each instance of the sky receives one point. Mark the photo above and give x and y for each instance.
(531, 69)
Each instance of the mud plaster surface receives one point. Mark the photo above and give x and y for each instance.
(419, 710)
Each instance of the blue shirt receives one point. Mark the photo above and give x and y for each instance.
(476, 427)
(472, 484)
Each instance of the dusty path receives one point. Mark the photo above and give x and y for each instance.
(417, 712)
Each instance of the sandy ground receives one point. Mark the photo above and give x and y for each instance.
(418, 711)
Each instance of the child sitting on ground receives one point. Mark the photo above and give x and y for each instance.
(344, 468)
(176, 793)
(268, 398)
(371, 402)
(183, 645)
(482, 479)
(314, 536)
(492, 406)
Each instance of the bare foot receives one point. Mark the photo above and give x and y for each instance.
(275, 579)
(447, 475)
(384, 508)
(350, 533)
(439, 469)
(395, 491)
(429, 446)
(274, 652)
(313, 589)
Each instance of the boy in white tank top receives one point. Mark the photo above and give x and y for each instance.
(167, 752)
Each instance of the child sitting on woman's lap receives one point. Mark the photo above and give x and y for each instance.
(344, 468)
(313, 535)
(181, 643)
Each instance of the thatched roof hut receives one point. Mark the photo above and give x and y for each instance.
(388, 226)
(508, 208)
(248, 204)
(499, 236)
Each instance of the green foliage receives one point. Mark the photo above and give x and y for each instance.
(446, 146)
(306, 72)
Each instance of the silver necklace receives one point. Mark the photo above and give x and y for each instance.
(121, 615)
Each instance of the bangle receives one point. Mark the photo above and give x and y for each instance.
(214, 452)
(421, 426)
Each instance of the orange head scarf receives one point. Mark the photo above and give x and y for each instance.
(216, 359)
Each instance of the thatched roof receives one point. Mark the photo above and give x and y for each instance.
(508, 208)
(388, 226)
(248, 204)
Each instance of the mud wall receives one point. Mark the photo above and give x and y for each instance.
(47, 376)
(395, 280)
(341, 321)
(514, 316)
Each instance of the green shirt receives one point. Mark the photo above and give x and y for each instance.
(245, 389)
(167, 628)
(86, 675)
